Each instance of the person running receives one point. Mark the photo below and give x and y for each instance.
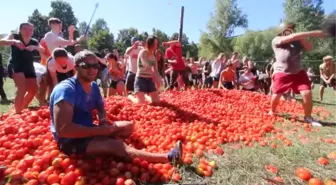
(288, 74)
(216, 69)
(71, 106)
(117, 73)
(247, 80)
(21, 67)
(54, 40)
(173, 55)
(132, 68)
(327, 75)
(60, 66)
(147, 70)
(228, 78)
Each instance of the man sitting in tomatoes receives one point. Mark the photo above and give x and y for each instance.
(71, 104)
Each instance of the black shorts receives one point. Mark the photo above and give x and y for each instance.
(28, 71)
(174, 75)
(130, 81)
(74, 146)
(114, 83)
(145, 85)
(228, 85)
(332, 83)
(252, 90)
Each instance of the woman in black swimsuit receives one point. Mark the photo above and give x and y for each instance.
(21, 67)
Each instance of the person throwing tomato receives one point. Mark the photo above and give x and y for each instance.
(288, 73)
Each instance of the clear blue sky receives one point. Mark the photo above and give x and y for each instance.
(146, 14)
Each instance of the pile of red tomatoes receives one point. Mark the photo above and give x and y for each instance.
(202, 119)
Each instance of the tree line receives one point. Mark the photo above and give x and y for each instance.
(218, 37)
(306, 14)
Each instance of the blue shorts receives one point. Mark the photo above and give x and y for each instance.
(73, 146)
(145, 85)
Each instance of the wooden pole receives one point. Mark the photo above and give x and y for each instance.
(181, 24)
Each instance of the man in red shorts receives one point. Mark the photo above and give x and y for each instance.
(288, 73)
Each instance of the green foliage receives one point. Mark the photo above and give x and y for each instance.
(40, 23)
(224, 20)
(101, 40)
(256, 44)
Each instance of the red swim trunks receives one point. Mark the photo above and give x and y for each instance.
(283, 82)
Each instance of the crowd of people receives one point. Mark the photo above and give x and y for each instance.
(66, 82)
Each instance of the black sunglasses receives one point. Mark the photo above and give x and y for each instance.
(85, 65)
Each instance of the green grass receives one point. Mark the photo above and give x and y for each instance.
(246, 165)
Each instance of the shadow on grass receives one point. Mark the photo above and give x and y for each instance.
(323, 103)
(323, 123)
(185, 115)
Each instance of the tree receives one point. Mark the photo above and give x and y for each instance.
(309, 15)
(223, 21)
(125, 35)
(256, 44)
(143, 36)
(40, 23)
(81, 31)
(100, 24)
(306, 14)
(101, 40)
(63, 10)
(100, 37)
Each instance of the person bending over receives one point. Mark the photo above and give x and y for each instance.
(147, 71)
(228, 78)
(71, 105)
(60, 66)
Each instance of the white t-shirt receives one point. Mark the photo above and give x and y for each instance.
(53, 66)
(51, 38)
(216, 67)
(132, 59)
(245, 78)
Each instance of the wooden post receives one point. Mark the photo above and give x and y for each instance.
(181, 24)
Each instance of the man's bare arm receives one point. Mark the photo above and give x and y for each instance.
(63, 114)
(307, 46)
(298, 36)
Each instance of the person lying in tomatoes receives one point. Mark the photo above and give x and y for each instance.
(71, 104)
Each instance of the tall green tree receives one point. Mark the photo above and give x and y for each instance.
(40, 23)
(309, 15)
(256, 44)
(101, 40)
(224, 20)
(81, 30)
(63, 10)
(100, 37)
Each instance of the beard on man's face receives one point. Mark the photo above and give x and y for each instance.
(86, 75)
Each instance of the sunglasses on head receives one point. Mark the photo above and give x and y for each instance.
(85, 65)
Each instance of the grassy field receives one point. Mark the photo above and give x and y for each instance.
(245, 165)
